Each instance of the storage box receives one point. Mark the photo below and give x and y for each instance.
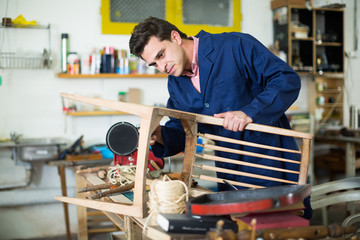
(134, 95)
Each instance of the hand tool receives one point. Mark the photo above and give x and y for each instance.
(98, 187)
(115, 190)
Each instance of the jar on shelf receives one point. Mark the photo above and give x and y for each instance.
(73, 63)
(122, 96)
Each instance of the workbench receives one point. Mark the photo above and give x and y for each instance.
(131, 226)
(351, 144)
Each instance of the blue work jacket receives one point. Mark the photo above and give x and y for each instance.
(236, 73)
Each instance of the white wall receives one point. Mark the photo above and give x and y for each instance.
(30, 103)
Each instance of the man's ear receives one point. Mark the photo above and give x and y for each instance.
(175, 36)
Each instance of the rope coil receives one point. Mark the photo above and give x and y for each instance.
(167, 196)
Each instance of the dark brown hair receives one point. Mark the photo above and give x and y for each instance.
(151, 26)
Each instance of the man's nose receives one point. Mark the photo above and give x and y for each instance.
(161, 67)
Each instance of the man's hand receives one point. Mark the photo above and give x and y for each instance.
(156, 136)
(234, 121)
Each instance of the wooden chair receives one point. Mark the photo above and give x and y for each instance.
(151, 117)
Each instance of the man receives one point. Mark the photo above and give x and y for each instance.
(229, 75)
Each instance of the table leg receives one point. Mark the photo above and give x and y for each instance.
(350, 160)
(350, 170)
(81, 211)
(65, 205)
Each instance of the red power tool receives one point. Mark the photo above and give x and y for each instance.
(122, 139)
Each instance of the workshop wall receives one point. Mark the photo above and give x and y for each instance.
(30, 103)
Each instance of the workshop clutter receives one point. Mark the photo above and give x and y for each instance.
(105, 60)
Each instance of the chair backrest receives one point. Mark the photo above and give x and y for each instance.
(303, 154)
(150, 118)
(330, 193)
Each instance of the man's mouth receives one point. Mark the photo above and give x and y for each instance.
(170, 70)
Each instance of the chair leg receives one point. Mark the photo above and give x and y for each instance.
(324, 214)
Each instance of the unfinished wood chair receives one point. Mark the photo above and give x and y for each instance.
(151, 117)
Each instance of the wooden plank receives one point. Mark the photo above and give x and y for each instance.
(190, 128)
(103, 230)
(132, 108)
(256, 127)
(304, 161)
(103, 206)
(94, 113)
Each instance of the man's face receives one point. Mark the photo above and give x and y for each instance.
(167, 56)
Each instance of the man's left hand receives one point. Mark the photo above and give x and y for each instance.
(235, 120)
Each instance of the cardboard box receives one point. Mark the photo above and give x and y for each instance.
(134, 95)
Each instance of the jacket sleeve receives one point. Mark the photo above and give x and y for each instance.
(281, 84)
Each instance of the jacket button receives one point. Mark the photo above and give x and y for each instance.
(207, 105)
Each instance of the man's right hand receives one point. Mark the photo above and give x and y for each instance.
(156, 136)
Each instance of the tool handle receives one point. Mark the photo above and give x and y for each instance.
(97, 187)
(115, 190)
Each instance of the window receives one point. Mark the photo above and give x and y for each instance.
(215, 16)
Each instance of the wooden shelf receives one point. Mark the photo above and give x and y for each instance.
(302, 39)
(95, 113)
(329, 91)
(111, 75)
(330, 105)
(330, 44)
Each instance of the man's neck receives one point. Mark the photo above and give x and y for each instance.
(188, 46)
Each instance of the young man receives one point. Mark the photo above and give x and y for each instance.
(228, 75)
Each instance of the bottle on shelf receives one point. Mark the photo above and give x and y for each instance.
(64, 51)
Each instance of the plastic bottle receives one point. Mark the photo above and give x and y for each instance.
(64, 51)
(73, 63)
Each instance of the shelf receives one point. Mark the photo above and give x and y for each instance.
(339, 75)
(302, 39)
(330, 105)
(329, 91)
(23, 26)
(95, 113)
(329, 44)
(111, 75)
(18, 60)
